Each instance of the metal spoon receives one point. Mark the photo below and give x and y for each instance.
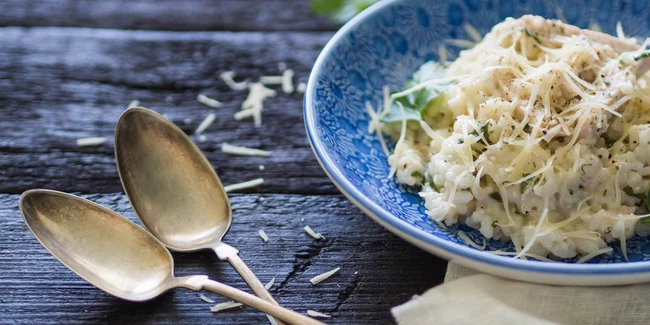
(116, 255)
(174, 190)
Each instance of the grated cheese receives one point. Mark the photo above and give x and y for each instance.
(322, 277)
(261, 168)
(312, 233)
(272, 320)
(207, 101)
(206, 299)
(462, 235)
(287, 81)
(187, 121)
(88, 142)
(205, 123)
(301, 87)
(271, 80)
(243, 151)
(225, 305)
(203, 138)
(134, 103)
(313, 313)
(254, 103)
(270, 284)
(263, 235)
(244, 185)
(472, 32)
(228, 76)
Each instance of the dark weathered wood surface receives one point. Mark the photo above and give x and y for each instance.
(59, 84)
(178, 15)
(378, 270)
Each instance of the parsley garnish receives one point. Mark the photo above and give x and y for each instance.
(533, 36)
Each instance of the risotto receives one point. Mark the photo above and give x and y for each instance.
(539, 134)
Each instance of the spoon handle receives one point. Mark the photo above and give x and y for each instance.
(202, 282)
(228, 253)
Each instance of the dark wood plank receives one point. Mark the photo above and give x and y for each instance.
(185, 15)
(62, 84)
(378, 270)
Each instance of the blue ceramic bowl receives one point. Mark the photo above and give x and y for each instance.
(384, 45)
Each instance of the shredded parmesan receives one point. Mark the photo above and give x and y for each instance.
(254, 103)
(203, 138)
(243, 151)
(207, 101)
(244, 185)
(225, 305)
(263, 235)
(206, 299)
(313, 313)
(272, 320)
(322, 277)
(261, 168)
(270, 284)
(462, 235)
(228, 76)
(301, 87)
(271, 80)
(287, 81)
(205, 123)
(472, 32)
(134, 103)
(88, 142)
(312, 233)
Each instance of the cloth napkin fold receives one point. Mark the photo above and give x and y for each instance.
(470, 297)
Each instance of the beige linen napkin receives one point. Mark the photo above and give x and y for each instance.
(469, 297)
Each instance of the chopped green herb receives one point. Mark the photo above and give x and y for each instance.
(533, 36)
(416, 103)
(642, 56)
(485, 131)
(494, 224)
(608, 230)
(496, 196)
(527, 128)
(609, 143)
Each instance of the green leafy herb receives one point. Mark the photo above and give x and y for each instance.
(608, 230)
(416, 103)
(527, 128)
(609, 143)
(494, 224)
(340, 10)
(527, 185)
(484, 131)
(533, 36)
(642, 56)
(496, 196)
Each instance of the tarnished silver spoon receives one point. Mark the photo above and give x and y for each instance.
(174, 190)
(116, 255)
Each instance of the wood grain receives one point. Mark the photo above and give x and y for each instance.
(62, 84)
(378, 270)
(185, 15)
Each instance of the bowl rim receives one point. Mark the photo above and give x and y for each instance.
(402, 228)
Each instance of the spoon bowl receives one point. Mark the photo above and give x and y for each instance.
(170, 184)
(174, 190)
(97, 244)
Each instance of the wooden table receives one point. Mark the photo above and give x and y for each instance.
(68, 68)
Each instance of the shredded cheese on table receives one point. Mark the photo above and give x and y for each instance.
(205, 123)
(270, 284)
(322, 277)
(316, 314)
(88, 142)
(224, 306)
(228, 76)
(254, 103)
(312, 233)
(263, 235)
(301, 87)
(207, 101)
(206, 299)
(287, 81)
(243, 151)
(134, 103)
(244, 185)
